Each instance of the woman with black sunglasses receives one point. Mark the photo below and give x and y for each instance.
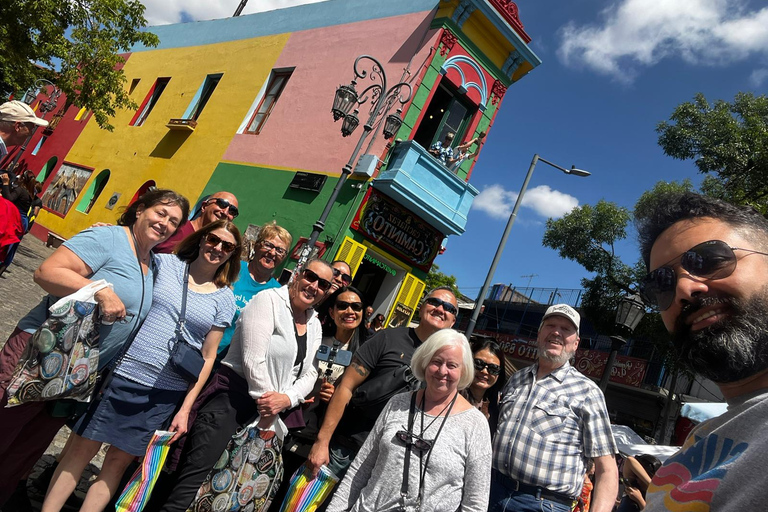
(490, 377)
(268, 369)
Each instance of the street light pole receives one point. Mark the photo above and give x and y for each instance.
(505, 236)
(347, 98)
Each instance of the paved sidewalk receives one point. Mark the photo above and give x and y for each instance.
(19, 294)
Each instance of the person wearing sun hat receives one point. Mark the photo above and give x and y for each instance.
(17, 121)
(552, 419)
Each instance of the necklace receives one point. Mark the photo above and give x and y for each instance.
(423, 429)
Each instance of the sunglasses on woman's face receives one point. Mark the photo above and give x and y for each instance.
(311, 277)
(343, 306)
(409, 438)
(713, 260)
(226, 205)
(269, 246)
(345, 278)
(481, 365)
(214, 241)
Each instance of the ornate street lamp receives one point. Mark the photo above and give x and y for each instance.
(45, 107)
(628, 315)
(345, 99)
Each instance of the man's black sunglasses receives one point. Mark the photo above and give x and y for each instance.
(447, 306)
(409, 438)
(713, 259)
(345, 278)
(224, 204)
(311, 277)
(481, 365)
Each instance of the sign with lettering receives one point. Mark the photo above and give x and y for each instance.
(397, 229)
(626, 370)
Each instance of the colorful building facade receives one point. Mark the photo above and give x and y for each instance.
(243, 104)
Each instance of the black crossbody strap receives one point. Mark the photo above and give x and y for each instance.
(407, 464)
(183, 312)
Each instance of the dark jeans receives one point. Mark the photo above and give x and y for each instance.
(504, 500)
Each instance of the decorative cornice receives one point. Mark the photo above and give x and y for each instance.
(448, 39)
(462, 12)
(509, 11)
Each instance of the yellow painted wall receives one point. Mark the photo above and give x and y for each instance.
(136, 154)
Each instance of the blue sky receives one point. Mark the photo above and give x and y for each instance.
(612, 70)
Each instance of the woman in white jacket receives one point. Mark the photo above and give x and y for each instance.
(267, 370)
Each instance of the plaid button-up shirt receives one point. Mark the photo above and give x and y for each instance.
(549, 427)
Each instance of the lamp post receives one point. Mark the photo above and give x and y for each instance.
(45, 107)
(481, 298)
(628, 315)
(345, 100)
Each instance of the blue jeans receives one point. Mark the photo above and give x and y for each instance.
(504, 500)
(341, 458)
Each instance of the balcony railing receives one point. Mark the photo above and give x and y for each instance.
(426, 187)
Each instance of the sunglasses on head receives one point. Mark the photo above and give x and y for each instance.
(481, 365)
(214, 241)
(311, 277)
(345, 278)
(409, 438)
(224, 205)
(713, 259)
(343, 305)
(447, 306)
(272, 247)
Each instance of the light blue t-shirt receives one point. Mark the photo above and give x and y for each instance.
(107, 251)
(147, 361)
(244, 289)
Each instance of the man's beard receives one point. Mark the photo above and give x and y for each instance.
(732, 349)
(557, 361)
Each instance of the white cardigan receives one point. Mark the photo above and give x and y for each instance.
(264, 347)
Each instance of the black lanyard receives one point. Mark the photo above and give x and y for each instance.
(423, 468)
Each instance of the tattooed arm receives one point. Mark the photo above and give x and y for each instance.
(353, 376)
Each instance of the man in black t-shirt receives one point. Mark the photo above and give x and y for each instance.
(380, 368)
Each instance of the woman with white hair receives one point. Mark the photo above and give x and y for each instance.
(430, 450)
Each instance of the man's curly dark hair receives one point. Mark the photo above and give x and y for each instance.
(668, 208)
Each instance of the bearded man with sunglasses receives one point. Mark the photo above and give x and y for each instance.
(380, 369)
(552, 419)
(219, 206)
(708, 263)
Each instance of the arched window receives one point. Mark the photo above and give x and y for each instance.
(146, 186)
(93, 192)
(46, 170)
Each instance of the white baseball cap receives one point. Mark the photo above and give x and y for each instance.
(563, 310)
(19, 112)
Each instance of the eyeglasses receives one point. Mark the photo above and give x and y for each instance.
(224, 205)
(409, 438)
(272, 247)
(447, 306)
(714, 260)
(311, 277)
(343, 306)
(214, 241)
(481, 365)
(345, 278)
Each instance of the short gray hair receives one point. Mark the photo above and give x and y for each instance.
(440, 340)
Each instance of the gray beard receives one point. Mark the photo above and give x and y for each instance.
(556, 361)
(730, 350)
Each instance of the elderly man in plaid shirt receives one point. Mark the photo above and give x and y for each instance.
(553, 418)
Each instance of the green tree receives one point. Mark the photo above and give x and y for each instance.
(76, 45)
(729, 143)
(436, 278)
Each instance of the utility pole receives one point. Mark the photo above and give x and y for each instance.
(240, 8)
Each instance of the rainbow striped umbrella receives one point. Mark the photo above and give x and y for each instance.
(136, 493)
(305, 493)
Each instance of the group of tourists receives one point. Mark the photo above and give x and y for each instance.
(407, 418)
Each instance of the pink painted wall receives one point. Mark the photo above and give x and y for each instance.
(323, 60)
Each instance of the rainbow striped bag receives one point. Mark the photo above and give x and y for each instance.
(136, 493)
(305, 493)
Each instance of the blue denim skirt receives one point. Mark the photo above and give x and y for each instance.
(127, 414)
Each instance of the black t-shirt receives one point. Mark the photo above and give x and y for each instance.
(383, 354)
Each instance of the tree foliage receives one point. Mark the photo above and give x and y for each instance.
(729, 143)
(76, 45)
(435, 278)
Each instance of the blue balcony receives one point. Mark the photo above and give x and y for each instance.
(422, 184)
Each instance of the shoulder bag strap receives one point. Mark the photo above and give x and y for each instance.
(183, 312)
(407, 463)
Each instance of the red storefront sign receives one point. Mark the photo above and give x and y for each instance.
(626, 370)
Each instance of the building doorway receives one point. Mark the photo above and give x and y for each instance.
(369, 279)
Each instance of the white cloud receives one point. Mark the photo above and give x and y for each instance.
(634, 34)
(163, 12)
(758, 77)
(498, 202)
